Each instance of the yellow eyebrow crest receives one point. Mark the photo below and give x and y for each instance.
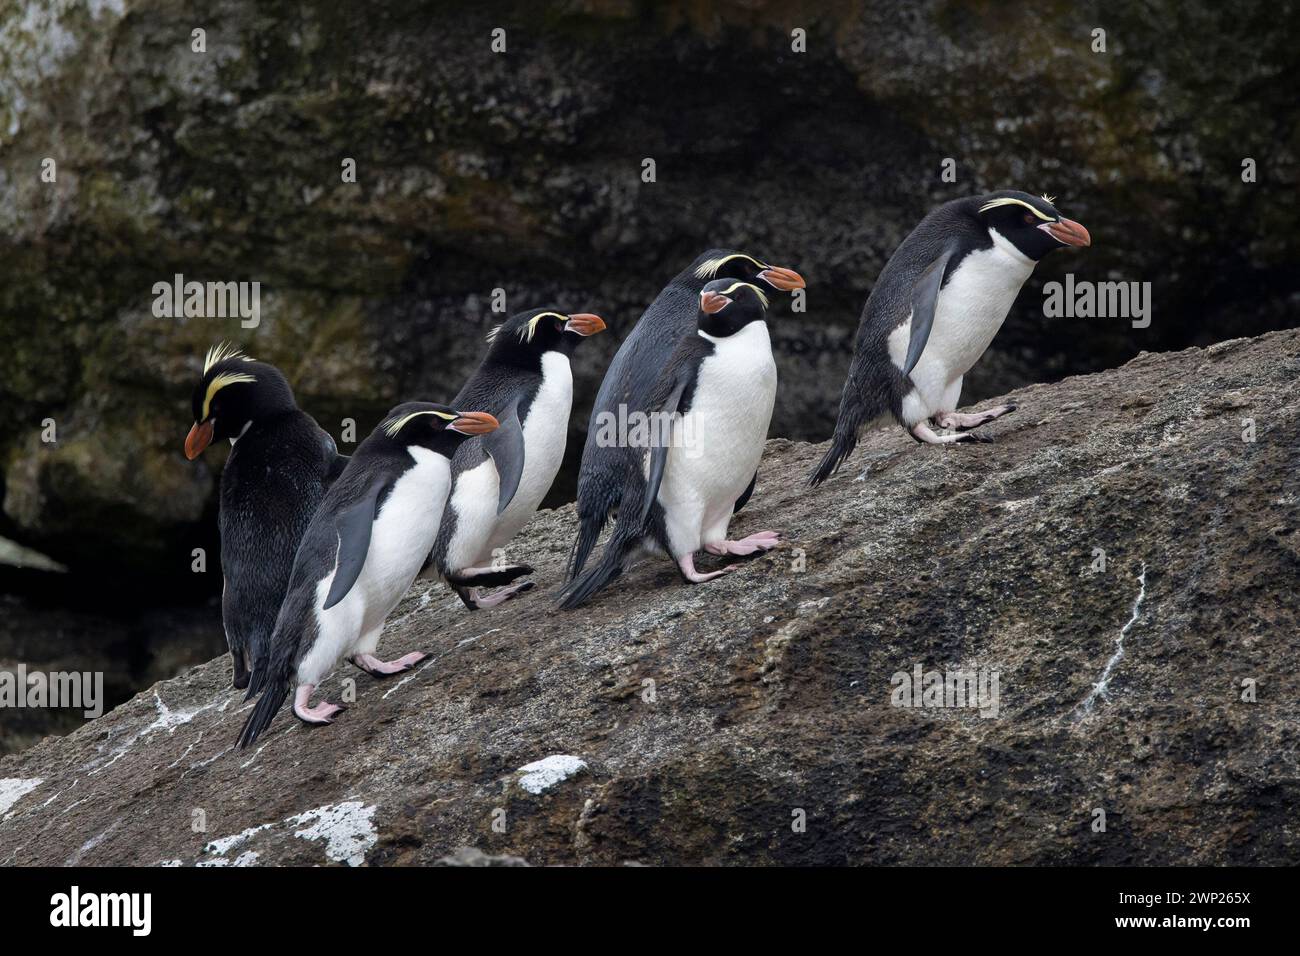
(709, 268)
(219, 353)
(221, 381)
(395, 425)
(748, 285)
(1009, 201)
(528, 331)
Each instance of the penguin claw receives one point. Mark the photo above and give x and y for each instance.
(686, 563)
(979, 437)
(504, 594)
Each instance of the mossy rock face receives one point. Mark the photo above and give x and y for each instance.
(521, 171)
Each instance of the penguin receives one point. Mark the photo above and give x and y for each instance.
(498, 481)
(635, 370)
(369, 540)
(714, 401)
(281, 464)
(939, 301)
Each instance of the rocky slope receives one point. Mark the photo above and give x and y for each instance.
(521, 171)
(750, 720)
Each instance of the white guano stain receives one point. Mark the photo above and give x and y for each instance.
(13, 789)
(540, 775)
(224, 845)
(347, 829)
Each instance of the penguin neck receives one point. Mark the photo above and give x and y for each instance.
(242, 432)
(265, 422)
(517, 360)
(753, 331)
(1004, 246)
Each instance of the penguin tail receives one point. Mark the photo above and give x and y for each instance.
(256, 679)
(864, 397)
(589, 528)
(268, 705)
(598, 495)
(610, 566)
(842, 446)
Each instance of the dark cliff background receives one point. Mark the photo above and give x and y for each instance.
(522, 171)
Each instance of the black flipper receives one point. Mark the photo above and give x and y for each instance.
(925, 299)
(506, 446)
(353, 527)
(659, 450)
(744, 499)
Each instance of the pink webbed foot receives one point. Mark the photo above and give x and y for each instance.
(965, 421)
(377, 668)
(687, 565)
(322, 713)
(759, 541)
(500, 595)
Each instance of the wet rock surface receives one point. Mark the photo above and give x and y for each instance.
(750, 721)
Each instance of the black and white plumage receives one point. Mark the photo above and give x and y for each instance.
(498, 481)
(368, 541)
(937, 305)
(280, 465)
(636, 369)
(713, 402)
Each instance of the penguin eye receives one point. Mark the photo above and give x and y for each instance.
(1029, 218)
(559, 325)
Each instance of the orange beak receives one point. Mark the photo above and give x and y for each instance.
(1069, 232)
(584, 323)
(787, 280)
(474, 423)
(199, 438)
(711, 302)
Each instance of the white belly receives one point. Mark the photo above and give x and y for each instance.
(546, 430)
(474, 501)
(400, 540)
(970, 311)
(717, 446)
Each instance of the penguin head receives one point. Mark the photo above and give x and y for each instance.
(523, 338)
(728, 305)
(234, 391)
(436, 427)
(1030, 223)
(724, 264)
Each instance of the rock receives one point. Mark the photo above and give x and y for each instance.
(478, 171)
(59, 634)
(757, 719)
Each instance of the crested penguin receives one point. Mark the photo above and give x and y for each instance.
(635, 370)
(713, 403)
(281, 464)
(939, 301)
(369, 540)
(498, 481)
